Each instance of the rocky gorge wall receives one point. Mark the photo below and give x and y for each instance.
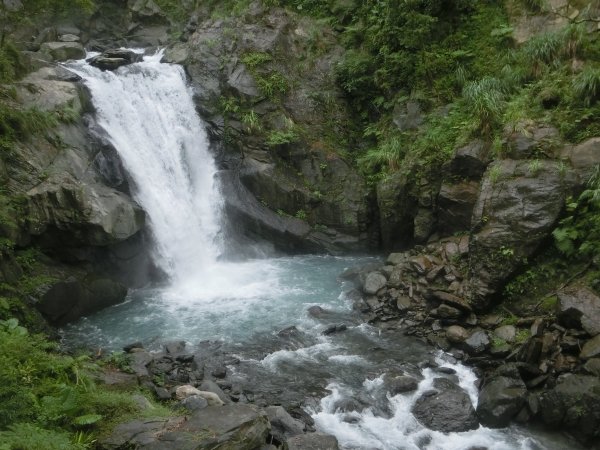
(284, 138)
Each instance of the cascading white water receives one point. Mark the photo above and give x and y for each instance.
(149, 116)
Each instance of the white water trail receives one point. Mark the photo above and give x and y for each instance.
(149, 116)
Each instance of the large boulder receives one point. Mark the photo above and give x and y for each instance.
(65, 301)
(88, 214)
(63, 51)
(574, 404)
(455, 206)
(519, 204)
(373, 282)
(469, 162)
(584, 157)
(447, 410)
(579, 307)
(500, 399)
(232, 427)
(312, 441)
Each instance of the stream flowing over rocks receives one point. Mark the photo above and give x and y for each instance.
(163, 227)
(279, 351)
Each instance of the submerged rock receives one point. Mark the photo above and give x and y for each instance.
(448, 410)
(114, 58)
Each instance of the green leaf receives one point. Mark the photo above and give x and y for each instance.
(87, 419)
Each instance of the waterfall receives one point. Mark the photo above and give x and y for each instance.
(147, 112)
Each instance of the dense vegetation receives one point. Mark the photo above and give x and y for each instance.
(49, 400)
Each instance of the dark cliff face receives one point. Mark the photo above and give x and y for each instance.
(272, 103)
(286, 142)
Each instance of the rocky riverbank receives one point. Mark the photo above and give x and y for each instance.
(538, 364)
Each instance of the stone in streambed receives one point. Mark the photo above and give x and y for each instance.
(456, 334)
(447, 410)
(579, 307)
(373, 282)
(501, 398)
(477, 343)
(313, 441)
(114, 58)
(194, 403)
(400, 384)
(283, 426)
(591, 348)
(507, 333)
(446, 312)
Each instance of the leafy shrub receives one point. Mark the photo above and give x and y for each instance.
(256, 59)
(578, 234)
(31, 437)
(272, 85)
(282, 137)
(586, 85)
(485, 98)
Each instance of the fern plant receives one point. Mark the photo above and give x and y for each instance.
(578, 234)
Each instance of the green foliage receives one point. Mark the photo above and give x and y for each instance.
(11, 67)
(47, 399)
(253, 60)
(282, 137)
(300, 214)
(26, 436)
(586, 85)
(578, 234)
(17, 124)
(522, 336)
(272, 85)
(485, 99)
(250, 119)
(174, 9)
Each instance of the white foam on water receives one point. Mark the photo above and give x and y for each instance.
(299, 356)
(400, 430)
(347, 359)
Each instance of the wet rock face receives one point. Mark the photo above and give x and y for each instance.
(574, 404)
(448, 410)
(519, 203)
(67, 209)
(295, 191)
(241, 427)
(114, 58)
(579, 307)
(500, 399)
